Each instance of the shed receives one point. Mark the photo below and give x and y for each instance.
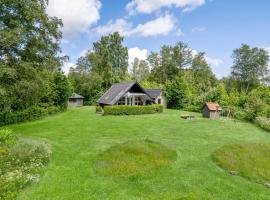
(211, 110)
(75, 100)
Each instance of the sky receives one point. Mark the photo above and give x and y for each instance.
(215, 27)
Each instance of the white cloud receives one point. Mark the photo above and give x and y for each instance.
(136, 52)
(214, 61)
(159, 26)
(77, 15)
(149, 6)
(198, 29)
(66, 67)
(120, 25)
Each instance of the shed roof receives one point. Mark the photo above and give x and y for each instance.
(117, 91)
(76, 96)
(154, 93)
(213, 106)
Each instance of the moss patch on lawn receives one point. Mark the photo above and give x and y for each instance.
(251, 161)
(134, 157)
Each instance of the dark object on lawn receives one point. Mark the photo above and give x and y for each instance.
(188, 117)
(211, 110)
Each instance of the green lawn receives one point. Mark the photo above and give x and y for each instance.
(78, 137)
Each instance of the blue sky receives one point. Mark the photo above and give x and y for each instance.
(215, 27)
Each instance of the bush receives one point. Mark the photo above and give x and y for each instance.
(21, 165)
(6, 137)
(263, 122)
(99, 109)
(29, 114)
(133, 110)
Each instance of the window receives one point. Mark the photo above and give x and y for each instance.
(138, 101)
(159, 101)
(121, 101)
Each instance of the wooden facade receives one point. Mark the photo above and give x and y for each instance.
(211, 110)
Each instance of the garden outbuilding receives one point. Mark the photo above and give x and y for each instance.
(212, 110)
(75, 100)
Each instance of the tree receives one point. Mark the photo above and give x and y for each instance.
(140, 70)
(177, 92)
(88, 85)
(250, 66)
(109, 59)
(29, 53)
(203, 77)
(169, 61)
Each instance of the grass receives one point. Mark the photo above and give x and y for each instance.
(248, 160)
(79, 136)
(134, 157)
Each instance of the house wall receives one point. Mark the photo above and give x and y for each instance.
(210, 114)
(75, 103)
(206, 112)
(162, 99)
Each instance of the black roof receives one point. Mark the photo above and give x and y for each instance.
(118, 90)
(154, 93)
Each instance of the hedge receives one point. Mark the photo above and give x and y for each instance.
(29, 114)
(99, 109)
(133, 110)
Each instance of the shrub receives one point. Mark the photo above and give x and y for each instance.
(21, 164)
(133, 110)
(263, 122)
(99, 109)
(29, 114)
(7, 137)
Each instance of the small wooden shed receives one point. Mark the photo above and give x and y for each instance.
(75, 100)
(212, 110)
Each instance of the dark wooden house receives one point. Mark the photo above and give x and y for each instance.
(212, 110)
(126, 93)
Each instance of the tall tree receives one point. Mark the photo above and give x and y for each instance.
(250, 66)
(109, 58)
(169, 61)
(29, 52)
(203, 77)
(140, 70)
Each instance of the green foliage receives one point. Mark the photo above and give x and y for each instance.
(99, 109)
(29, 60)
(250, 66)
(140, 70)
(170, 61)
(29, 114)
(7, 137)
(21, 165)
(263, 122)
(134, 157)
(89, 85)
(177, 93)
(248, 160)
(132, 110)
